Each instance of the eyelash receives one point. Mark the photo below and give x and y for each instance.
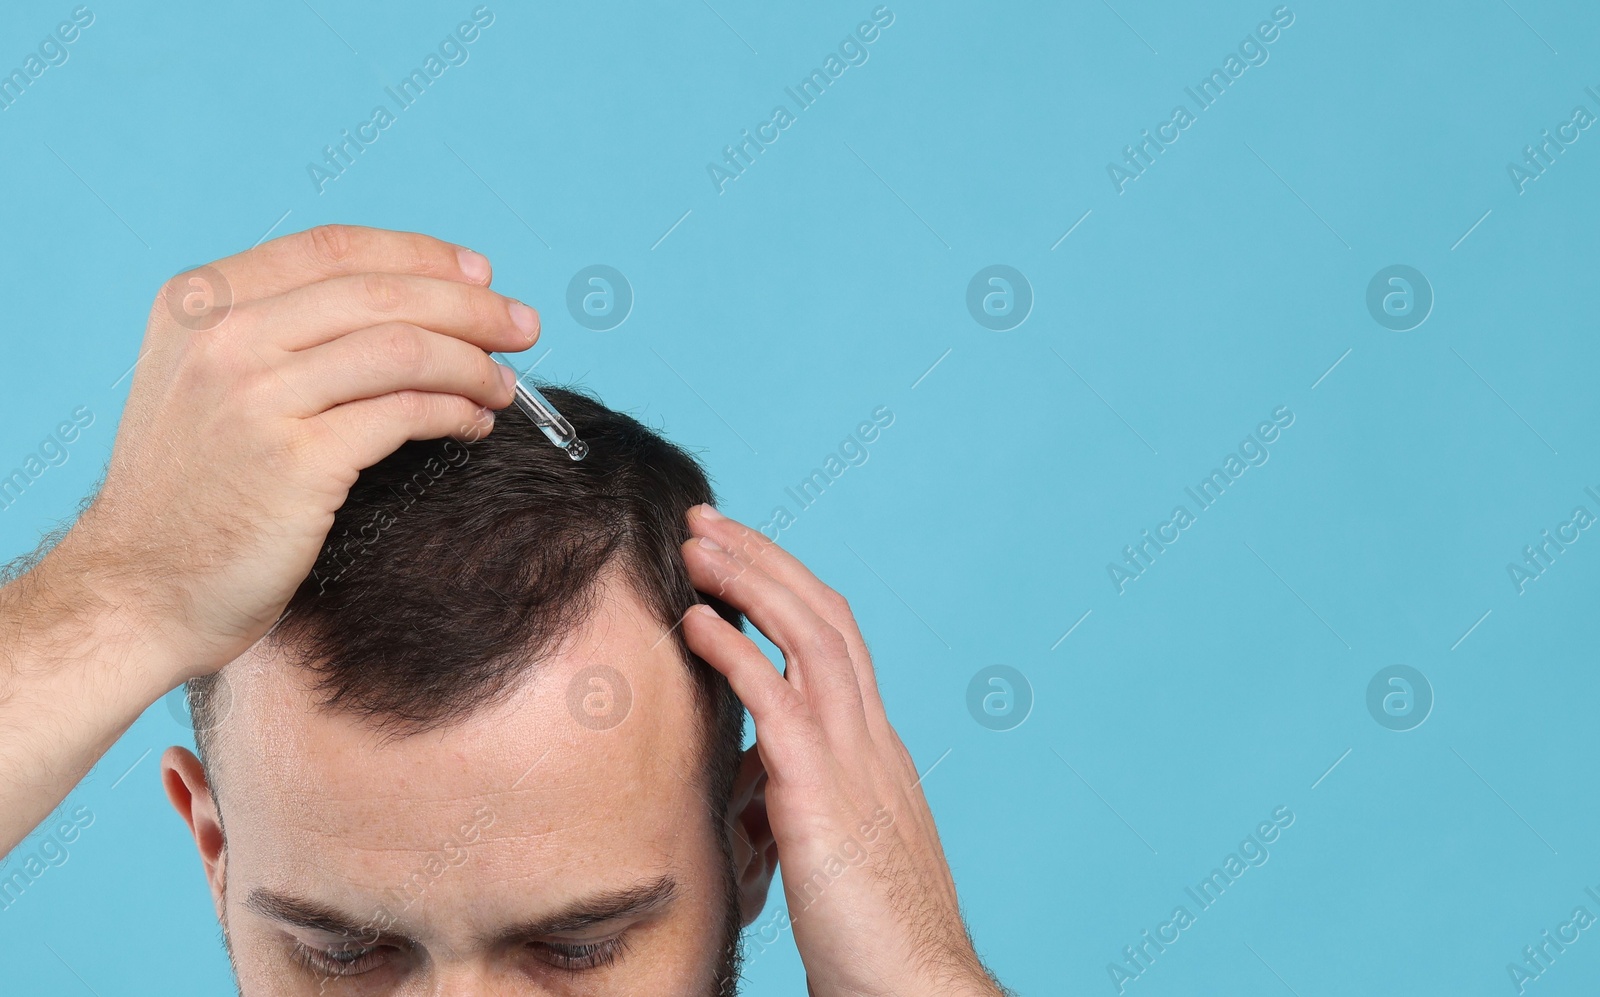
(344, 961)
(328, 962)
(589, 955)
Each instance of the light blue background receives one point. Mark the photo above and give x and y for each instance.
(827, 281)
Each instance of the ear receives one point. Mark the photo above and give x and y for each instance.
(185, 781)
(755, 853)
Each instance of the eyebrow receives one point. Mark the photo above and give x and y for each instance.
(303, 913)
(647, 897)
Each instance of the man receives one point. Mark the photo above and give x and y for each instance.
(466, 726)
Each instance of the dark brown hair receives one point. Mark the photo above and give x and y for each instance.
(452, 566)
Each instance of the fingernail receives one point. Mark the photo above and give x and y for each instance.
(709, 511)
(704, 610)
(710, 544)
(508, 375)
(474, 266)
(526, 319)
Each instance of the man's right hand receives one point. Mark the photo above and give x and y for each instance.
(247, 424)
(266, 382)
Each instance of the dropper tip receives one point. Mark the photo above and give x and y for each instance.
(577, 449)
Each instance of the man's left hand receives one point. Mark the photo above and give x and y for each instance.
(870, 895)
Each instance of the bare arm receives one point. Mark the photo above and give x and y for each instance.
(74, 675)
(267, 382)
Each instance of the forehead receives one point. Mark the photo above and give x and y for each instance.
(591, 762)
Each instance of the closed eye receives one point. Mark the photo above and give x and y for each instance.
(579, 956)
(346, 959)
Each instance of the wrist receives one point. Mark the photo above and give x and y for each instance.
(74, 676)
(74, 612)
(978, 983)
(963, 974)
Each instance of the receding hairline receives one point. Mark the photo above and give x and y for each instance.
(404, 623)
(615, 576)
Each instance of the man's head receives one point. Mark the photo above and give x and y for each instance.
(475, 755)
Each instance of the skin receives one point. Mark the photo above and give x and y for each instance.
(236, 447)
(438, 849)
(238, 443)
(838, 782)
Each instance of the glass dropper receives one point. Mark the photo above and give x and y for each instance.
(544, 415)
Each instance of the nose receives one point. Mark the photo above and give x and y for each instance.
(471, 979)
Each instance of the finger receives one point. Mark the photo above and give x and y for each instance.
(373, 428)
(319, 313)
(787, 730)
(811, 646)
(395, 356)
(755, 548)
(316, 254)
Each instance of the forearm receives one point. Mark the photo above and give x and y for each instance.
(75, 673)
(956, 972)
